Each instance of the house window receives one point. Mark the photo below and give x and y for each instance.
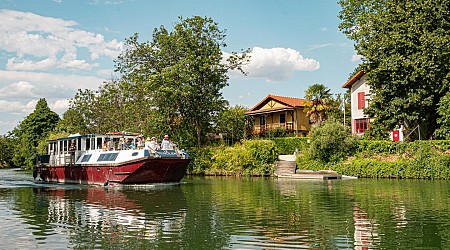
(283, 118)
(361, 100)
(361, 125)
(262, 120)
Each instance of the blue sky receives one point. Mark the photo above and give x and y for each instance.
(51, 48)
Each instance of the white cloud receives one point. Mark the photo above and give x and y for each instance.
(7, 125)
(323, 29)
(47, 85)
(18, 89)
(17, 107)
(60, 105)
(277, 64)
(356, 57)
(44, 42)
(105, 72)
(324, 45)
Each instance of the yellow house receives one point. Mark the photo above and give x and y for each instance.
(280, 112)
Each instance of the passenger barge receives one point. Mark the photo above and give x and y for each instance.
(84, 159)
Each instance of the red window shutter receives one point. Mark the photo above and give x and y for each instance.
(361, 100)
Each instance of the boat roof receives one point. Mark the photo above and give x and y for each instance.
(108, 135)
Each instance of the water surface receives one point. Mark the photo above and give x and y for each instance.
(225, 213)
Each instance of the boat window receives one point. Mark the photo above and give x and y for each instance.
(99, 143)
(86, 158)
(88, 143)
(107, 157)
(134, 154)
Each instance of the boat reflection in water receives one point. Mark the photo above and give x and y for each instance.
(102, 216)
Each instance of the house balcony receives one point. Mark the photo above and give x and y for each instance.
(262, 129)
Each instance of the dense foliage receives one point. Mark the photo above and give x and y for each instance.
(251, 157)
(406, 53)
(388, 159)
(331, 142)
(117, 105)
(27, 135)
(182, 73)
(444, 120)
(6, 151)
(290, 145)
(231, 123)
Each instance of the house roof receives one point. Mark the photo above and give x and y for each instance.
(353, 79)
(290, 102)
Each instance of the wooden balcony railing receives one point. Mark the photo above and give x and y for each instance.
(262, 129)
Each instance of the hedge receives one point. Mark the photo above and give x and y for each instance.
(386, 159)
(288, 145)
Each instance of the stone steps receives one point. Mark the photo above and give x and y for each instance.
(285, 165)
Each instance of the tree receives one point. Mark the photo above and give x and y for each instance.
(6, 150)
(35, 127)
(183, 74)
(231, 122)
(444, 118)
(117, 105)
(406, 53)
(319, 98)
(72, 123)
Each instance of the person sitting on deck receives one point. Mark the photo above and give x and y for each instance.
(132, 145)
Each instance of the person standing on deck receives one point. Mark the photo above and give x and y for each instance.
(147, 143)
(152, 144)
(140, 142)
(165, 144)
(72, 150)
(110, 144)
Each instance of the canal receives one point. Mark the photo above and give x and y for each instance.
(225, 213)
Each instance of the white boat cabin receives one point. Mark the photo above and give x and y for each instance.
(101, 149)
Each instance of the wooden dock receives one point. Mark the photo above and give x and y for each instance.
(286, 168)
(316, 175)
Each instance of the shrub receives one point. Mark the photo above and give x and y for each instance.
(252, 157)
(331, 142)
(201, 159)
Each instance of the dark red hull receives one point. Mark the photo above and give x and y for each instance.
(145, 171)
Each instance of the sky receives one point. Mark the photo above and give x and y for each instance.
(51, 48)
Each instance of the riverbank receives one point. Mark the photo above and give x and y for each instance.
(371, 159)
(386, 159)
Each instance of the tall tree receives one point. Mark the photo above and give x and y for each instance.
(319, 102)
(183, 72)
(406, 53)
(117, 105)
(232, 122)
(72, 123)
(444, 120)
(6, 150)
(336, 106)
(30, 131)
